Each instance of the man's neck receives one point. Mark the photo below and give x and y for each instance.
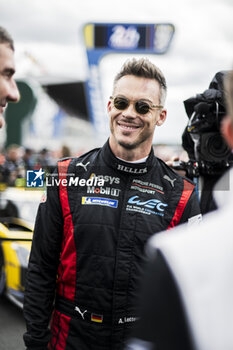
(128, 155)
(141, 160)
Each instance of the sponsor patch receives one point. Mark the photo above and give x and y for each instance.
(166, 177)
(131, 170)
(107, 179)
(100, 201)
(104, 190)
(146, 187)
(84, 166)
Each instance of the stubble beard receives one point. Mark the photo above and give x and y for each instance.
(135, 143)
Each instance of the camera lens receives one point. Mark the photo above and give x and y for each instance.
(213, 147)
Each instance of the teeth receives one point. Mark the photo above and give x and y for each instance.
(128, 127)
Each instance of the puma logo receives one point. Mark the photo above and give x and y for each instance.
(166, 177)
(81, 313)
(84, 166)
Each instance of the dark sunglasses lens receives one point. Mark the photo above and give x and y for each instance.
(142, 107)
(121, 103)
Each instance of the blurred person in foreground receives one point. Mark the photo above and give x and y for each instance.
(187, 296)
(8, 88)
(87, 251)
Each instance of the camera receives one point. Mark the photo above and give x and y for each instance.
(207, 150)
(196, 169)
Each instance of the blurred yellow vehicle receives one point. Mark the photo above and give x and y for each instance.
(18, 209)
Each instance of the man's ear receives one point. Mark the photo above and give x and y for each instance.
(162, 117)
(227, 130)
(109, 107)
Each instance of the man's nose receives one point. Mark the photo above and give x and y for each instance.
(13, 92)
(130, 111)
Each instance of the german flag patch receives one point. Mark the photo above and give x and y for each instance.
(96, 318)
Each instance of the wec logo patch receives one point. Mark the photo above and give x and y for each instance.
(151, 203)
(150, 206)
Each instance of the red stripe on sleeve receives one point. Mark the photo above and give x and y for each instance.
(59, 328)
(67, 268)
(62, 171)
(187, 191)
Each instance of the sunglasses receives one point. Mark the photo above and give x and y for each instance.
(141, 106)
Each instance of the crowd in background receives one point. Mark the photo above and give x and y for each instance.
(16, 160)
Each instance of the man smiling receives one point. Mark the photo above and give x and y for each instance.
(135, 110)
(88, 243)
(8, 88)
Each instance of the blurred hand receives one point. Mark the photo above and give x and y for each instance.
(2, 122)
(170, 163)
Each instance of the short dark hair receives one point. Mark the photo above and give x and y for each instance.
(5, 38)
(145, 69)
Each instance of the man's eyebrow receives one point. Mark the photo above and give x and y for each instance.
(140, 99)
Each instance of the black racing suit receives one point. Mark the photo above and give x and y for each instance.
(87, 253)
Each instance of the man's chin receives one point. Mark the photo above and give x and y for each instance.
(127, 145)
